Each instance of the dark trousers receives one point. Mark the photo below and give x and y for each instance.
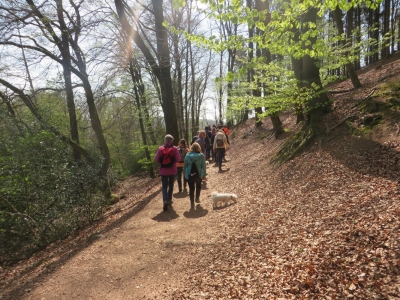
(167, 187)
(220, 156)
(208, 152)
(192, 187)
(180, 173)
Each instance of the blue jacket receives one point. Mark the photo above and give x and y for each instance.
(198, 159)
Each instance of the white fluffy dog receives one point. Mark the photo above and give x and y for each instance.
(207, 162)
(218, 198)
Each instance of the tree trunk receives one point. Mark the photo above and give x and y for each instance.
(66, 62)
(163, 54)
(385, 52)
(138, 95)
(276, 125)
(162, 69)
(349, 66)
(319, 103)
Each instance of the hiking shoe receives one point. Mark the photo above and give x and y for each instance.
(165, 207)
(197, 200)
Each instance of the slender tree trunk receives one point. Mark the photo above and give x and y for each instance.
(375, 34)
(162, 69)
(66, 62)
(349, 66)
(178, 84)
(220, 91)
(385, 52)
(318, 105)
(187, 94)
(138, 95)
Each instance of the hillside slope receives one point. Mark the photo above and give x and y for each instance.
(322, 226)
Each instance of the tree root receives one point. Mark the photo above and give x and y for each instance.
(294, 146)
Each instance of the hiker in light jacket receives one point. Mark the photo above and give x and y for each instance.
(195, 157)
(167, 174)
(220, 147)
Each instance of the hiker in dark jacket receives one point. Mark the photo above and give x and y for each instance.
(183, 150)
(220, 146)
(208, 142)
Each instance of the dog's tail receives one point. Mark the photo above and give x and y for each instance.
(214, 193)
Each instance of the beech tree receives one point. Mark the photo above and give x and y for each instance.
(159, 61)
(49, 22)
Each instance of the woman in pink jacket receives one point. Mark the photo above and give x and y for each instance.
(167, 156)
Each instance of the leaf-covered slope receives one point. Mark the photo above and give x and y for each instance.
(322, 226)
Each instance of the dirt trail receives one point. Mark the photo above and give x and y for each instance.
(139, 259)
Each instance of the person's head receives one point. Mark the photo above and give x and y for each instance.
(221, 130)
(169, 138)
(183, 143)
(195, 147)
(202, 134)
(214, 130)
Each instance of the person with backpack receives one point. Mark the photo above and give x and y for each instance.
(195, 171)
(207, 129)
(213, 133)
(167, 156)
(220, 146)
(183, 150)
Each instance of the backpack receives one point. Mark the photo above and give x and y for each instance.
(182, 153)
(194, 175)
(167, 158)
(220, 142)
(208, 139)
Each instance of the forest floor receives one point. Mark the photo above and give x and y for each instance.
(325, 225)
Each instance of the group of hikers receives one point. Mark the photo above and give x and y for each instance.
(189, 162)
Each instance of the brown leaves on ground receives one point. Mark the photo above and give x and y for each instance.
(322, 226)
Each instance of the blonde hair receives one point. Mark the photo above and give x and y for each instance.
(195, 147)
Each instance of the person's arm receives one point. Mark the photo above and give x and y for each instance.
(156, 157)
(177, 155)
(226, 145)
(203, 168)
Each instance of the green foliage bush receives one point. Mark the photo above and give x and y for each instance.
(44, 196)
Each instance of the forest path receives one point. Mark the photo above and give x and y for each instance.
(141, 258)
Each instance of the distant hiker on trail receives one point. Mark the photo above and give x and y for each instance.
(213, 133)
(207, 129)
(183, 150)
(167, 155)
(227, 132)
(201, 141)
(220, 146)
(195, 171)
(195, 138)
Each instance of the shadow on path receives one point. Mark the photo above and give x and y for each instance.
(166, 216)
(195, 212)
(71, 248)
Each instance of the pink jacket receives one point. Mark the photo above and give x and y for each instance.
(172, 170)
